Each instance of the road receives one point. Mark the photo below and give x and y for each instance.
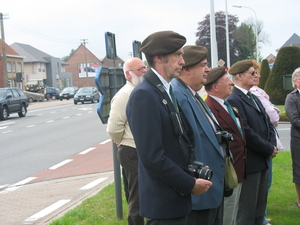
(53, 159)
(46, 137)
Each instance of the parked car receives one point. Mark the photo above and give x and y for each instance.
(51, 93)
(12, 100)
(87, 94)
(34, 96)
(68, 93)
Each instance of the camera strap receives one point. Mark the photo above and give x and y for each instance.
(182, 127)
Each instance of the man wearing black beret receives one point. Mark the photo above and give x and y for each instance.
(261, 143)
(206, 209)
(163, 144)
(218, 88)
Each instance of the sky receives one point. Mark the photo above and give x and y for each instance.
(58, 26)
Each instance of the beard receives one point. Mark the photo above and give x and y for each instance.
(136, 80)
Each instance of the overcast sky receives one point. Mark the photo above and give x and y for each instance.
(58, 26)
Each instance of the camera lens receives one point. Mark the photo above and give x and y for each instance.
(205, 174)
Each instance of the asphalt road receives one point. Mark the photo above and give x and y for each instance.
(45, 137)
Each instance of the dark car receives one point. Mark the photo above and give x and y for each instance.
(12, 100)
(68, 93)
(51, 93)
(87, 94)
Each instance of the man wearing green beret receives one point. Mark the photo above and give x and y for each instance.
(218, 88)
(163, 144)
(261, 143)
(207, 208)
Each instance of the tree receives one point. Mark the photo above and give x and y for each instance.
(287, 60)
(66, 58)
(264, 73)
(203, 35)
(245, 37)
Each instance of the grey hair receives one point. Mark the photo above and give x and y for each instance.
(295, 75)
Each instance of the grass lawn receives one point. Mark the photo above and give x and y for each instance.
(282, 209)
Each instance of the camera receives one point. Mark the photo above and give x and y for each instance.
(224, 137)
(196, 169)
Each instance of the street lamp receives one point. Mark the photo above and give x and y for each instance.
(227, 37)
(256, 33)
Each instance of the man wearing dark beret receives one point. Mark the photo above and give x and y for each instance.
(164, 152)
(218, 88)
(261, 143)
(207, 208)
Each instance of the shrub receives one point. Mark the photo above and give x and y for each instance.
(287, 60)
(264, 73)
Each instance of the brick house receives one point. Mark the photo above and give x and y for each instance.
(14, 65)
(83, 65)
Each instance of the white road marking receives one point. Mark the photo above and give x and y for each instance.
(8, 131)
(86, 151)
(6, 123)
(284, 129)
(3, 127)
(17, 185)
(104, 142)
(30, 126)
(60, 164)
(48, 210)
(50, 121)
(93, 183)
(79, 114)
(66, 117)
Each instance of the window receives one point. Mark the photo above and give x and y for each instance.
(19, 67)
(14, 67)
(15, 93)
(8, 64)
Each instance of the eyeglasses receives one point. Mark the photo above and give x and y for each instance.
(140, 69)
(253, 73)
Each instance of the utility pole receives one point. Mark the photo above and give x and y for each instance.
(86, 67)
(5, 78)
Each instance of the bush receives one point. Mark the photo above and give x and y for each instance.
(264, 73)
(287, 60)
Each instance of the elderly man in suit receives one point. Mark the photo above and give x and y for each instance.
(218, 88)
(207, 208)
(261, 143)
(163, 144)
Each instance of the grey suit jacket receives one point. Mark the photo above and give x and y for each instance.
(292, 108)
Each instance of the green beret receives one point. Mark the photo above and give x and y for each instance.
(162, 43)
(240, 67)
(214, 74)
(193, 54)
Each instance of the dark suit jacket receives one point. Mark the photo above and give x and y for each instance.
(207, 148)
(238, 145)
(164, 186)
(259, 131)
(292, 108)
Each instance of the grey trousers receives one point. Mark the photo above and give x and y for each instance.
(253, 199)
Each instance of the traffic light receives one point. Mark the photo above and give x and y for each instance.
(19, 77)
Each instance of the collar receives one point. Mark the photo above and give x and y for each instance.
(242, 89)
(163, 81)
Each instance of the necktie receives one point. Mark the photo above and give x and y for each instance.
(208, 111)
(230, 111)
(173, 99)
(249, 93)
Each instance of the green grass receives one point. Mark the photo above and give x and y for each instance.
(100, 209)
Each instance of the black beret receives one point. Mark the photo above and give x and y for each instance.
(193, 54)
(240, 67)
(214, 74)
(162, 43)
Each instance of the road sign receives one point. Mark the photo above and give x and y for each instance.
(221, 62)
(136, 45)
(108, 81)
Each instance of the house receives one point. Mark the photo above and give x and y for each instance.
(42, 68)
(294, 40)
(14, 65)
(83, 65)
